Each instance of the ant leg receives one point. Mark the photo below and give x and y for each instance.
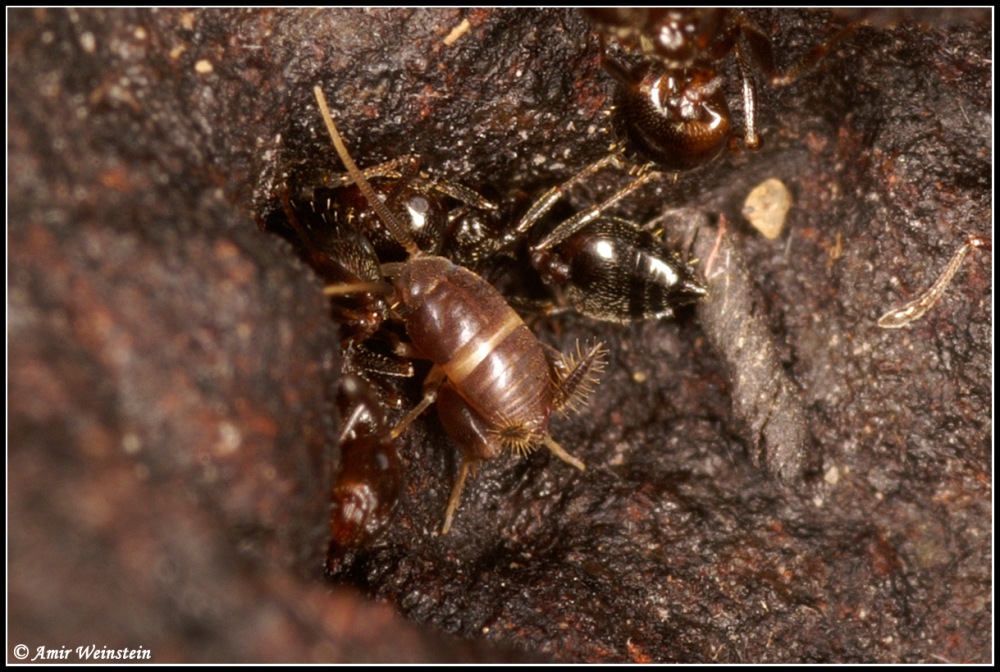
(377, 363)
(750, 137)
(752, 45)
(752, 48)
(677, 229)
(581, 219)
(758, 47)
(549, 198)
(811, 61)
(532, 309)
(467, 196)
(400, 167)
(375, 369)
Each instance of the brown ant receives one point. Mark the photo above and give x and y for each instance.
(494, 382)
(671, 108)
(368, 483)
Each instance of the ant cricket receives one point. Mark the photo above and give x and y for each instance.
(672, 109)
(494, 383)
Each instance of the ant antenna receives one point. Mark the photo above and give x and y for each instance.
(389, 218)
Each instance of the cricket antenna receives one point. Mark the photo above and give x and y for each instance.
(398, 231)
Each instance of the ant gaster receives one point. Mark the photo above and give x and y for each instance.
(672, 109)
(495, 384)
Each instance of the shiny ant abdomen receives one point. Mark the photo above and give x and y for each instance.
(610, 254)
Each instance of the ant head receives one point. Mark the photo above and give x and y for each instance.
(677, 38)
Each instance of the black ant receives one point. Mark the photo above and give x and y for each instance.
(671, 107)
(345, 242)
(414, 197)
(610, 268)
